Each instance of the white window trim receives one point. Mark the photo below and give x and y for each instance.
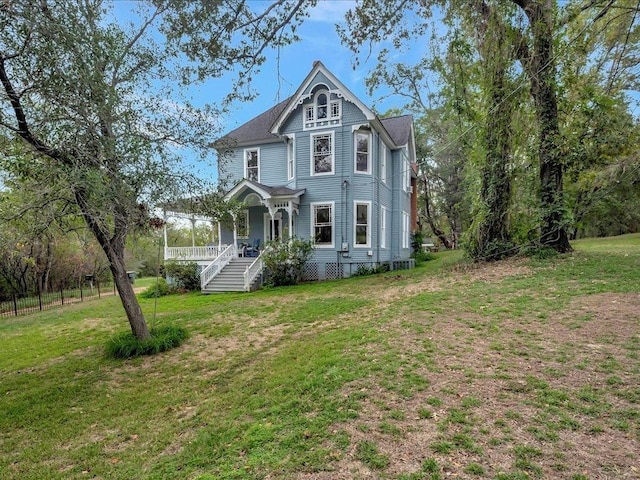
(406, 167)
(383, 227)
(244, 213)
(335, 103)
(405, 229)
(383, 164)
(355, 152)
(355, 223)
(333, 153)
(246, 162)
(291, 157)
(313, 223)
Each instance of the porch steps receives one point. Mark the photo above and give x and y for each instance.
(231, 278)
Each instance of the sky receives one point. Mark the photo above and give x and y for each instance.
(282, 74)
(284, 70)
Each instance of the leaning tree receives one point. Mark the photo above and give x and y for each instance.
(101, 100)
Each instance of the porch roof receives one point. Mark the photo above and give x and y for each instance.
(280, 192)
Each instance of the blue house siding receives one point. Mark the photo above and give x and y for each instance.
(302, 117)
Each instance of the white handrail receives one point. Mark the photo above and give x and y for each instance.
(217, 265)
(252, 271)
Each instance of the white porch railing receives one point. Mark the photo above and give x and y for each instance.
(192, 253)
(252, 271)
(217, 265)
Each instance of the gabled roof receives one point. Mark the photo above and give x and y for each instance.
(265, 127)
(265, 191)
(295, 99)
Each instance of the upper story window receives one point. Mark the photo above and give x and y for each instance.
(322, 154)
(252, 164)
(383, 163)
(324, 111)
(363, 152)
(291, 158)
(406, 175)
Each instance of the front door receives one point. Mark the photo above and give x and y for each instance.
(272, 230)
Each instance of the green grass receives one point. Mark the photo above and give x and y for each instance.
(314, 377)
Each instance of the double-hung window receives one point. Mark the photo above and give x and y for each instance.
(363, 152)
(383, 227)
(322, 154)
(291, 154)
(383, 163)
(405, 230)
(362, 224)
(252, 164)
(322, 224)
(406, 175)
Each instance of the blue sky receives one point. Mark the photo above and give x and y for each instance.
(281, 75)
(284, 70)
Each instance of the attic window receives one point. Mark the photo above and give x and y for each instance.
(323, 112)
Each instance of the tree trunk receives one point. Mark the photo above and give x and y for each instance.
(540, 67)
(127, 295)
(113, 247)
(437, 231)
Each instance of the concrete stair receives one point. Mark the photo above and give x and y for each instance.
(231, 278)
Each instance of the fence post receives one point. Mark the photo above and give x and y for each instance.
(81, 299)
(15, 304)
(98, 286)
(40, 297)
(61, 296)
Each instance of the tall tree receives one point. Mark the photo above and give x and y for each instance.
(103, 103)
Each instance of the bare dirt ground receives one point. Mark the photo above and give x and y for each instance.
(551, 398)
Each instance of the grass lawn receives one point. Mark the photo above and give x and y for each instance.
(520, 369)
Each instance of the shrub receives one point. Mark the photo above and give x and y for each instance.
(421, 257)
(126, 345)
(185, 275)
(284, 261)
(159, 289)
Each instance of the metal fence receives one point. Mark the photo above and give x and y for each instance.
(21, 305)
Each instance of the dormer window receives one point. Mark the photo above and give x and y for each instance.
(323, 112)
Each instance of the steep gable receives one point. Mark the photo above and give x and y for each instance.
(319, 79)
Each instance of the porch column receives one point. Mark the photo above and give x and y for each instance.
(219, 236)
(166, 236)
(235, 229)
(193, 232)
(290, 213)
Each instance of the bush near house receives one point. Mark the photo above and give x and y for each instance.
(284, 261)
(184, 275)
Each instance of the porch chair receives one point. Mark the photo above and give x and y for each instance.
(254, 250)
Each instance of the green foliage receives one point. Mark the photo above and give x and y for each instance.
(160, 288)
(126, 345)
(423, 256)
(185, 275)
(284, 261)
(363, 270)
(539, 252)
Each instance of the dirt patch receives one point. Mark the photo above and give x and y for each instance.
(552, 398)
